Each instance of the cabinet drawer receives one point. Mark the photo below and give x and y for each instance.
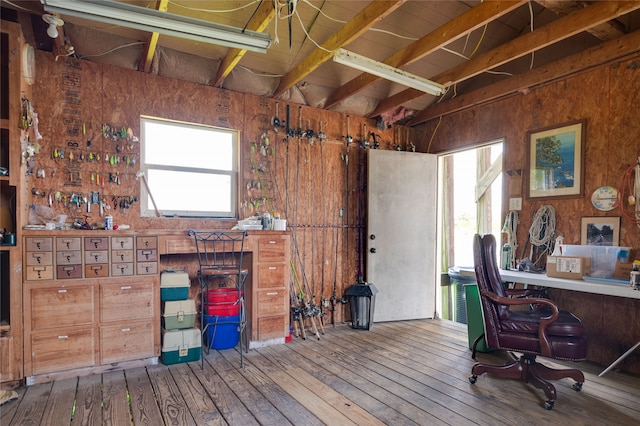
(39, 244)
(122, 269)
(62, 349)
(147, 255)
(271, 275)
(96, 256)
(271, 302)
(271, 328)
(68, 257)
(96, 243)
(122, 243)
(39, 273)
(270, 249)
(126, 341)
(34, 258)
(147, 268)
(96, 271)
(126, 301)
(64, 243)
(123, 256)
(147, 242)
(60, 306)
(68, 272)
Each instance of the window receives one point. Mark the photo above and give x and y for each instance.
(191, 169)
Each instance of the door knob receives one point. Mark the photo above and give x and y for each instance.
(372, 250)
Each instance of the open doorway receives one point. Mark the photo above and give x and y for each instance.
(470, 191)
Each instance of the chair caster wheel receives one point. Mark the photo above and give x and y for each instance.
(473, 379)
(577, 387)
(548, 405)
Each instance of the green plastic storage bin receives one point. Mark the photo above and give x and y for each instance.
(181, 346)
(475, 319)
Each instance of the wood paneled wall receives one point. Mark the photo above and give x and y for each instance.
(608, 98)
(308, 181)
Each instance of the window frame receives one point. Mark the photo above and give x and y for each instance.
(147, 208)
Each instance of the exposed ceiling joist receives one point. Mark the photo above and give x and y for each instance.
(605, 31)
(367, 18)
(259, 21)
(592, 57)
(544, 36)
(150, 50)
(471, 20)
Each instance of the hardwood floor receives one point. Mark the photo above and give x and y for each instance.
(399, 373)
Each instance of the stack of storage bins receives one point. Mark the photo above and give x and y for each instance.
(221, 317)
(181, 340)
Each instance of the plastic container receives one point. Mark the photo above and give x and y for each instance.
(174, 285)
(181, 346)
(603, 258)
(221, 332)
(179, 314)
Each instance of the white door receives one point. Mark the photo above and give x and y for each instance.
(401, 233)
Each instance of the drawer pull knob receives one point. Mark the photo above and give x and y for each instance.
(125, 287)
(272, 293)
(62, 291)
(63, 337)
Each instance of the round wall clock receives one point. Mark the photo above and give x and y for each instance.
(605, 198)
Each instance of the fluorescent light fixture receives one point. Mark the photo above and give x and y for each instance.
(387, 72)
(140, 18)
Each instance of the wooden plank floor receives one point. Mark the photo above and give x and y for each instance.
(398, 373)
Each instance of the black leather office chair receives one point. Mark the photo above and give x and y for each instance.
(545, 330)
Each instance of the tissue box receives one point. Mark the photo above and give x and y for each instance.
(571, 267)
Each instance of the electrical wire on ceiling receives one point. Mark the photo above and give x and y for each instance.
(135, 43)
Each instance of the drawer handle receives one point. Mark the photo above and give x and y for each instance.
(272, 268)
(63, 337)
(272, 241)
(125, 287)
(272, 293)
(62, 291)
(126, 330)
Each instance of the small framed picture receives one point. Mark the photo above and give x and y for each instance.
(555, 157)
(600, 231)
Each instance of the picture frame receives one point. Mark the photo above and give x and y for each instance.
(600, 230)
(555, 156)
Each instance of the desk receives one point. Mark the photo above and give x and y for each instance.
(542, 280)
(576, 285)
(267, 256)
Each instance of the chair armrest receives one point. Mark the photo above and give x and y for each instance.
(545, 346)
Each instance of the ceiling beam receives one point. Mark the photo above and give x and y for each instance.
(259, 21)
(553, 32)
(365, 19)
(150, 50)
(469, 21)
(605, 31)
(593, 57)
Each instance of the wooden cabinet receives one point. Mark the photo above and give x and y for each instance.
(270, 292)
(13, 87)
(100, 320)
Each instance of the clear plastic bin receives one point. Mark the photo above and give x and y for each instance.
(603, 258)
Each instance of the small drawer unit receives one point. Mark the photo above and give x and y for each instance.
(96, 257)
(122, 256)
(38, 258)
(146, 255)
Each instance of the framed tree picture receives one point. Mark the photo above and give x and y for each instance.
(555, 158)
(600, 231)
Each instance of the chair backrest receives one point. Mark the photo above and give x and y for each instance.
(488, 279)
(219, 250)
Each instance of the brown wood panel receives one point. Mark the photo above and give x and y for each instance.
(130, 299)
(115, 399)
(61, 305)
(144, 409)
